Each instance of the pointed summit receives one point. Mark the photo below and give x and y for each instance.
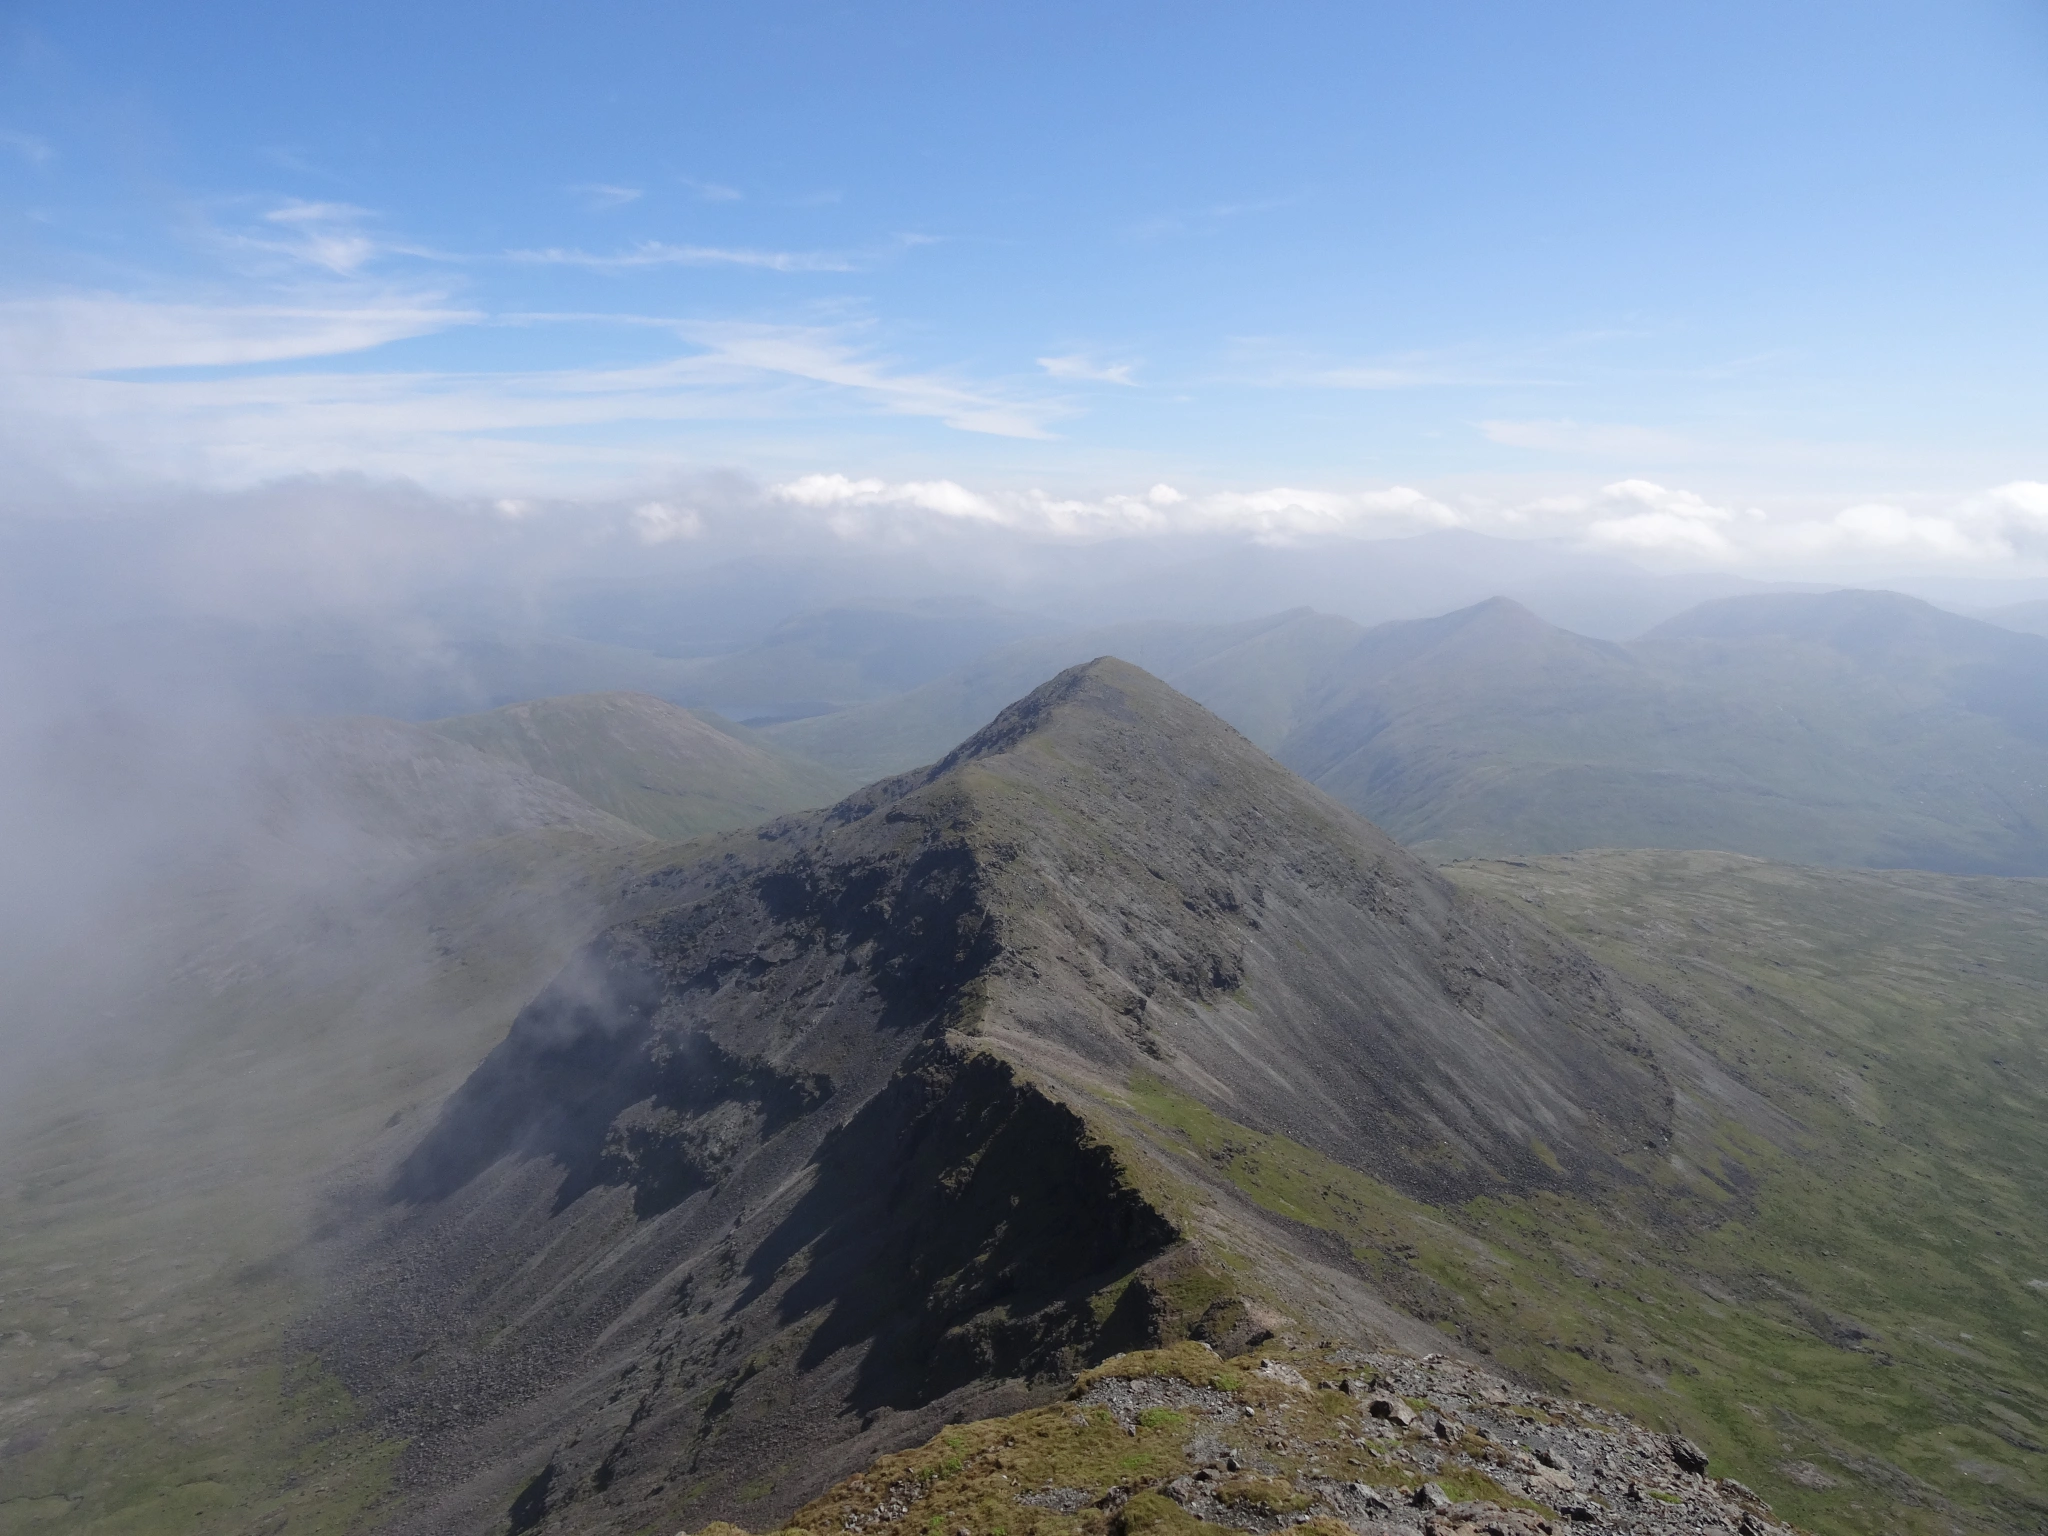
(849, 1138)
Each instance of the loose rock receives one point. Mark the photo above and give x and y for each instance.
(1689, 1457)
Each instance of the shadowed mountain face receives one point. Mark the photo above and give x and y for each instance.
(842, 1142)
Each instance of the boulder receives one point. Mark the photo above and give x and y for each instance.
(1690, 1458)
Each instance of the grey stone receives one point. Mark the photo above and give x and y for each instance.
(1689, 1457)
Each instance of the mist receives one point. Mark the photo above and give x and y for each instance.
(311, 790)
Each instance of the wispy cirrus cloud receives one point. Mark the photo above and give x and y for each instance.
(712, 191)
(823, 356)
(106, 384)
(1079, 365)
(328, 235)
(89, 333)
(659, 253)
(598, 196)
(655, 254)
(339, 239)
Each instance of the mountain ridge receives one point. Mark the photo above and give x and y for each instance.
(915, 973)
(1912, 738)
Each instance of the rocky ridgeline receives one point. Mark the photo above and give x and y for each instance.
(1326, 1441)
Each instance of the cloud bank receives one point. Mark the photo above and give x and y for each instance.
(2005, 526)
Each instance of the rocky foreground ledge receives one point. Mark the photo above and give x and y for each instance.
(1327, 1441)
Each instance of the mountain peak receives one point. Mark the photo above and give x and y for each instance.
(1084, 700)
(1498, 630)
(908, 1038)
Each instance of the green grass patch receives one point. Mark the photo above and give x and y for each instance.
(1859, 1300)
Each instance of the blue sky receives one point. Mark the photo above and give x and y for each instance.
(1731, 281)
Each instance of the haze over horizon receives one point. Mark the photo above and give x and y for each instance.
(1735, 287)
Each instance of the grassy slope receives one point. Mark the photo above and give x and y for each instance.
(153, 1205)
(969, 1477)
(1864, 1338)
(1899, 1018)
(649, 763)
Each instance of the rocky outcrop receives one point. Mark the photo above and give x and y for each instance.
(1179, 1441)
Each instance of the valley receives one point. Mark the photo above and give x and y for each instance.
(777, 1170)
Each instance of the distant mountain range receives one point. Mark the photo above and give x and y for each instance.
(1846, 728)
(1104, 1030)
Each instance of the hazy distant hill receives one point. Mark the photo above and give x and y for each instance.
(1254, 673)
(430, 663)
(402, 666)
(407, 789)
(2028, 618)
(1846, 728)
(648, 762)
(849, 653)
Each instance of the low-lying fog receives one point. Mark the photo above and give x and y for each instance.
(156, 810)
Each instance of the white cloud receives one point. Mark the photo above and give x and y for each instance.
(659, 253)
(1998, 527)
(2009, 522)
(712, 191)
(2019, 511)
(1641, 515)
(86, 333)
(327, 235)
(599, 195)
(1284, 514)
(496, 433)
(823, 357)
(659, 522)
(872, 507)
(863, 508)
(1078, 365)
